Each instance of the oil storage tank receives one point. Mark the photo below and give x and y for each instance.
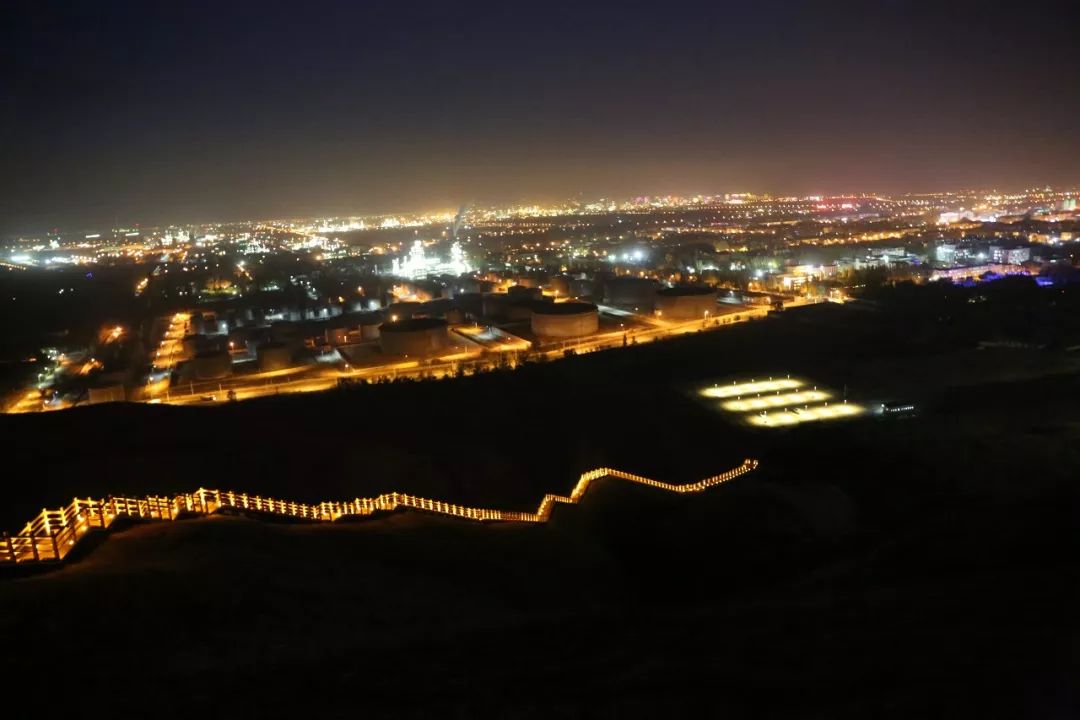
(471, 303)
(437, 308)
(368, 324)
(284, 331)
(519, 310)
(563, 320)
(212, 365)
(274, 356)
(493, 305)
(337, 336)
(582, 288)
(415, 337)
(685, 302)
(396, 312)
(631, 292)
(518, 293)
(528, 280)
(559, 286)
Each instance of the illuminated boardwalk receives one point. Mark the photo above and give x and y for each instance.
(54, 533)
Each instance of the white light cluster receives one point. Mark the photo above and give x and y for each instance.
(779, 402)
(418, 265)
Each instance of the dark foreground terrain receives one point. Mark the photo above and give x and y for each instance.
(923, 567)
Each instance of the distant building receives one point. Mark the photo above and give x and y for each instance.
(1017, 256)
(790, 281)
(417, 265)
(974, 273)
(897, 408)
(945, 253)
(816, 271)
(1009, 256)
(948, 218)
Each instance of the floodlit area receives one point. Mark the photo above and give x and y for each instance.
(780, 402)
(806, 414)
(750, 388)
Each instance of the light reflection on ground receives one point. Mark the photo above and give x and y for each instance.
(780, 402)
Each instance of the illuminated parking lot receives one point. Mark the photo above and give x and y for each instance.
(779, 402)
(751, 388)
(806, 414)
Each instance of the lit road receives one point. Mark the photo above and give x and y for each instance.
(660, 329)
(28, 402)
(169, 352)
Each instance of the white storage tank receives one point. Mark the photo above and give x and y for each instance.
(685, 302)
(563, 320)
(274, 356)
(415, 337)
(635, 293)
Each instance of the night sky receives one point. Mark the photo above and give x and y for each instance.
(156, 112)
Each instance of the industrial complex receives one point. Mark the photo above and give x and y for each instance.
(235, 311)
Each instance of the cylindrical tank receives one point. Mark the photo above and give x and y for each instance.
(203, 344)
(524, 292)
(368, 324)
(436, 308)
(559, 286)
(274, 356)
(562, 320)
(519, 310)
(240, 339)
(396, 312)
(631, 292)
(416, 337)
(284, 331)
(582, 288)
(211, 365)
(191, 343)
(528, 281)
(204, 323)
(685, 302)
(463, 286)
(337, 336)
(471, 303)
(493, 305)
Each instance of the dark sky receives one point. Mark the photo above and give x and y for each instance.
(177, 111)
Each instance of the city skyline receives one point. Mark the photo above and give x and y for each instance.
(130, 113)
(432, 215)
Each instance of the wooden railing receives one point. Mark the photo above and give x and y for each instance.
(53, 533)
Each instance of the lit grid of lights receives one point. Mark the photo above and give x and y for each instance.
(780, 402)
(809, 414)
(751, 388)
